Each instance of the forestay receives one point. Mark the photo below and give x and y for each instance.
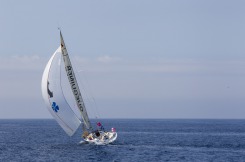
(54, 97)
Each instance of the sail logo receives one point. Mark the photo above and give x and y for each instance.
(76, 93)
(55, 107)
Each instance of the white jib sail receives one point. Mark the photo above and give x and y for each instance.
(74, 85)
(54, 97)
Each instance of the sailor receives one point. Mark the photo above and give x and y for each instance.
(90, 137)
(105, 137)
(100, 127)
(85, 134)
(113, 129)
(97, 133)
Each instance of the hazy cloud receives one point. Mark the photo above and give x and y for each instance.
(107, 59)
(22, 62)
(161, 65)
(160, 83)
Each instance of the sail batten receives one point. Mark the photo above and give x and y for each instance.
(74, 85)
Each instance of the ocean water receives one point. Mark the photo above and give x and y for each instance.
(138, 140)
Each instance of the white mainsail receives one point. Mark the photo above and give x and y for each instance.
(74, 85)
(54, 97)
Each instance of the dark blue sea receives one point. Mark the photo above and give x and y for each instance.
(138, 140)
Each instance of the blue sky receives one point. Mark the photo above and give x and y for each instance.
(142, 59)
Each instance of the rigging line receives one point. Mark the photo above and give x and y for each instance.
(82, 88)
(88, 95)
(85, 90)
(93, 99)
(91, 94)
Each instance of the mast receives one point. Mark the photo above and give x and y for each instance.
(74, 85)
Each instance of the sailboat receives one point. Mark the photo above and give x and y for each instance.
(59, 107)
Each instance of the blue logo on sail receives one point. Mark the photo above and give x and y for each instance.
(55, 107)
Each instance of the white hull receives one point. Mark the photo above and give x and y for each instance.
(104, 138)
